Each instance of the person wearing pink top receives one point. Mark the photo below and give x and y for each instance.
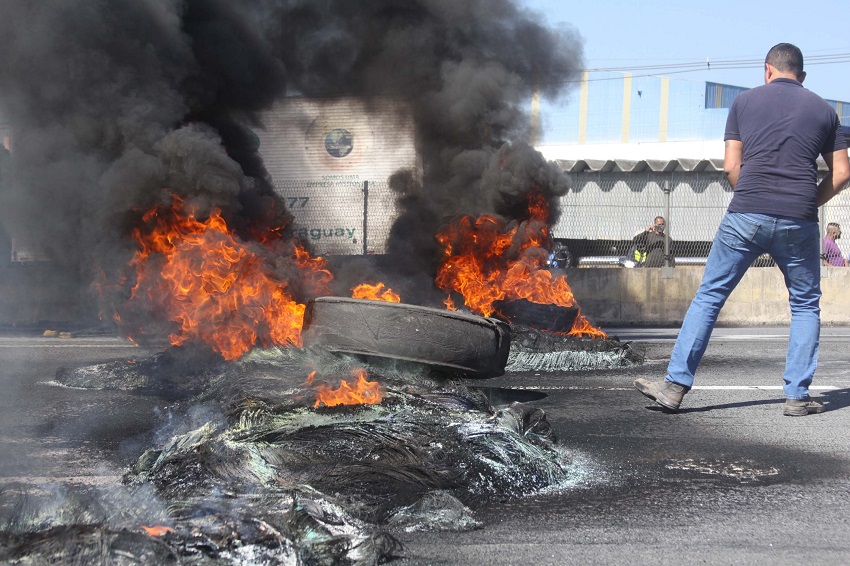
(831, 255)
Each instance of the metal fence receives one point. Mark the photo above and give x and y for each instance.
(599, 216)
(604, 211)
(837, 210)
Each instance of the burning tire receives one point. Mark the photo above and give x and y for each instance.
(444, 340)
(542, 317)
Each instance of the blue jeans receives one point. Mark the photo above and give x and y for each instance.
(741, 238)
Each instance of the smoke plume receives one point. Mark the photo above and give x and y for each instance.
(111, 103)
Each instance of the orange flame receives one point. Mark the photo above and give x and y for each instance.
(582, 328)
(313, 271)
(376, 292)
(157, 530)
(487, 259)
(359, 392)
(214, 287)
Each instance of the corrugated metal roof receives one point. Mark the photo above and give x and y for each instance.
(647, 165)
(642, 166)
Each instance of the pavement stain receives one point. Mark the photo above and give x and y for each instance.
(738, 470)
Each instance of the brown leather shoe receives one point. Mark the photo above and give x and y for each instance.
(665, 393)
(802, 407)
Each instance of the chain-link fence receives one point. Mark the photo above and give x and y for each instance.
(838, 210)
(600, 216)
(604, 212)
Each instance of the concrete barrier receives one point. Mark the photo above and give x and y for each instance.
(643, 297)
(612, 296)
(31, 294)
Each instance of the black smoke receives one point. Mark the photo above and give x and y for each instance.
(469, 69)
(111, 102)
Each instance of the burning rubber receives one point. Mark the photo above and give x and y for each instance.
(447, 341)
(547, 317)
(263, 466)
(287, 454)
(317, 455)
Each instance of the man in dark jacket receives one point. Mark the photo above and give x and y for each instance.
(648, 246)
(774, 135)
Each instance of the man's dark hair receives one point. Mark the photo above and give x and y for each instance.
(786, 58)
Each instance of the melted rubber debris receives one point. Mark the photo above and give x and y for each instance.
(264, 477)
(437, 510)
(535, 350)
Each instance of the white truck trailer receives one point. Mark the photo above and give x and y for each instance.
(330, 159)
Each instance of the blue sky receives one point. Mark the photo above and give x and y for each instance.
(626, 33)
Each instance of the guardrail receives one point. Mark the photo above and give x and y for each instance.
(614, 261)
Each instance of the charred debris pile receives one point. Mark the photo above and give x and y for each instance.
(264, 470)
(308, 455)
(536, 350)
(319, 454)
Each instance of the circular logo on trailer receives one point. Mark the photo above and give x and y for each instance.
(339, 142)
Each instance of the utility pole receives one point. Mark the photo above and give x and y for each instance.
(667, 269)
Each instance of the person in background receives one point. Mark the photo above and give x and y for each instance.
(831, 255)
(774, 135)
(648, 246)
(560, 257)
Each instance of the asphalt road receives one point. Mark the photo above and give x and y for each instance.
(727, 480)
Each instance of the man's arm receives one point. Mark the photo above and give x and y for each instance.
(838, 175)
(732, 161)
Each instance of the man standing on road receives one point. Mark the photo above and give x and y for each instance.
(831, 254)
(774, 134)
